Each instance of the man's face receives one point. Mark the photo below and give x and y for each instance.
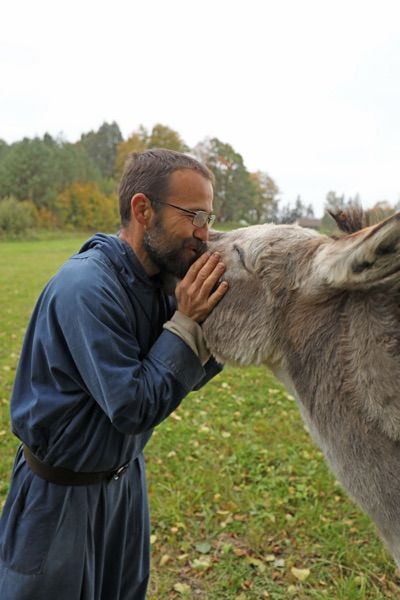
(172, 242)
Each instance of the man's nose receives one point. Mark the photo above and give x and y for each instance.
(201, 233)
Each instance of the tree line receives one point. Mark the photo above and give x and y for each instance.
(49, 182)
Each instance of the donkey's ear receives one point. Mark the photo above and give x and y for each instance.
(363, 258)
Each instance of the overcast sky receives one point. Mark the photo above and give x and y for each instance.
(306, 90)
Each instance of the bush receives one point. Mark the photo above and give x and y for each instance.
(85, 206)
(16, 217)
(45, 218)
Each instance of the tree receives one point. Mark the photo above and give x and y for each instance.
(163, 137)
(265, 199)
(101, 147)
(27, 171)
(84, 206)
(16, 217)
(234, 188)
(290, 214)
(3, 148)
(74, 164)
(140, 140)
(38, 169)
(137, 142)
(379, 211)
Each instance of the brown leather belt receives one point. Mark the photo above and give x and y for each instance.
(62, 476)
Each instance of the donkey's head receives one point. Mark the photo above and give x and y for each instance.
(273, 268)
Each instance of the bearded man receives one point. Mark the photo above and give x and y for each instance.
(107, 356)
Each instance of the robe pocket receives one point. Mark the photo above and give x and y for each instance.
(27, 532)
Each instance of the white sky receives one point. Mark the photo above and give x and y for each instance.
(306, 90)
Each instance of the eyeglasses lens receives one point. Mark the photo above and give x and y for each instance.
(201, 218)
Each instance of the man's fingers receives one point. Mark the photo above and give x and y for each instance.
(209, 274)
(196, 266)
(202, 267)
(199, 291)
(216, 296)
(207, 281)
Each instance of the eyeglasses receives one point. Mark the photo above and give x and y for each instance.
(200, 217)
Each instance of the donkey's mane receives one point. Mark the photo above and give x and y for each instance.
(350, 220)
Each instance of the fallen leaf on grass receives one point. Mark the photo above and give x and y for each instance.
(183, 556)
(300, 574)
(270, 558)
(256, 562)
(182, 588)
(201, 563)
(240, 518)
(203, 547)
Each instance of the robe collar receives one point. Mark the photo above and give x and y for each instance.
(124, 260)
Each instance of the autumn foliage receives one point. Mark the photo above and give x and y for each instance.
(85, 206)
(53, 183)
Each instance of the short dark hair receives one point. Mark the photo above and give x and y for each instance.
(148, 173)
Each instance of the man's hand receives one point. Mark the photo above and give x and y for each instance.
(196, 294)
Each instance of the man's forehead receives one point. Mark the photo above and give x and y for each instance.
(191, 190)
(188, 180)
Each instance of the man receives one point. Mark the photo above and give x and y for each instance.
(105, 359)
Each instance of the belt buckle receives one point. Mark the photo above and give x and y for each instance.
(120, 471)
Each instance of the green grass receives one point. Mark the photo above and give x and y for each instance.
(239, 494)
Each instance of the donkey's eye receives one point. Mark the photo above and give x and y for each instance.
(240, 253)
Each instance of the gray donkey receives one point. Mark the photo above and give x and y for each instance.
(324, 315)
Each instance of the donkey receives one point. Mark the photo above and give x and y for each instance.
(324, 315)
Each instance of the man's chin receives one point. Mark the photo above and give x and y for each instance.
(177, 261)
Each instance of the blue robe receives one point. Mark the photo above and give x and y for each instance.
(97, 373)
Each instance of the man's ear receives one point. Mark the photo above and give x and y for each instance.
(362, 259)
(141, 209)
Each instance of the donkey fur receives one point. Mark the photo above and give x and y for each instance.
(323, 314)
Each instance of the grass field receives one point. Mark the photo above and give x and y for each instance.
(242, 504)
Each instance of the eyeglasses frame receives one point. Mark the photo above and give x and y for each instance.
(210, 217)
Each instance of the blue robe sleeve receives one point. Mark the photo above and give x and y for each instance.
(211, 369)
(135, 393)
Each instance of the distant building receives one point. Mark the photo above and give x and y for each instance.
(308, 222)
